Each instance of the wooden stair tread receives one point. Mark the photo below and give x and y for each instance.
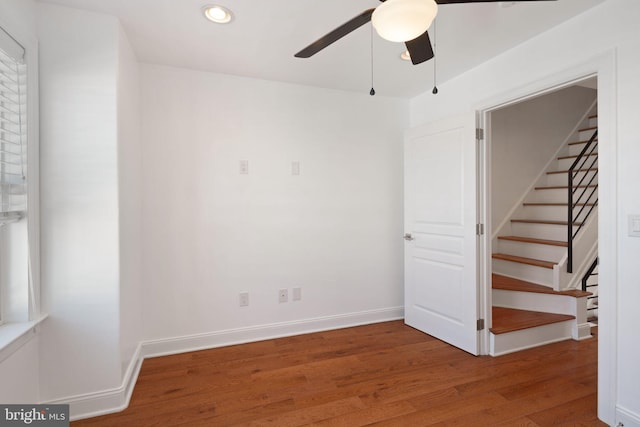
(511, 284)
(532, 240)
(556, 204)
(578, 170)
(508, 319)
(589, 128)
(582, 142)
(576, 156)
(523, 260)
(564, 187)
(544, 221)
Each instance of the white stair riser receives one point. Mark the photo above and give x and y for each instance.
(576, 149)
(565, 164)
(530, 273)
(540, 231)
(532, 250)
(548, 303)
(550, 213)
(555, 179)
(559, 195)
(580, 215)
(528, 338)
(593, 121)
(586, 135)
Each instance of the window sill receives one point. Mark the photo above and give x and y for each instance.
(14, 335)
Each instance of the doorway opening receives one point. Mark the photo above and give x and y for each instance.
(538, 253)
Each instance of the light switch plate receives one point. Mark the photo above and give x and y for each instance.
(634, 225)
(244, 167)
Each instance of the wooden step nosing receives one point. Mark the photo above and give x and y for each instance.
(564, 187)
(543, 222)
(507, 283)
(567, 171)
(536, 319)
(555, 204)
(523, 260)
(581, 142)
(576, 156)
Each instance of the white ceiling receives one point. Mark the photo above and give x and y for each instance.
(265, 34)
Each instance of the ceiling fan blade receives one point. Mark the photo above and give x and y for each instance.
(477, 1)
(420, 48)
(336, 34)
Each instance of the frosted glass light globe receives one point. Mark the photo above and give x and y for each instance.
(403, 20)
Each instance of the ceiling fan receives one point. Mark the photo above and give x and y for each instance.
(395, 20)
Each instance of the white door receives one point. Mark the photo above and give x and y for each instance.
(441, 280)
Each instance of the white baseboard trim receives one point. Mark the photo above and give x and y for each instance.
(583, 332)
(107, 401)
(627, 418)
(117, 399)
(183, 344)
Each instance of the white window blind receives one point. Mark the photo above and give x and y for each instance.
(13, 141)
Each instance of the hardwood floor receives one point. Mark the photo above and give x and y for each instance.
(385, 374)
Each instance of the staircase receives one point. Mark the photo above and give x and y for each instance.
(539, 260)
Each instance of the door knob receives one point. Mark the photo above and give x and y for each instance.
(408, 237)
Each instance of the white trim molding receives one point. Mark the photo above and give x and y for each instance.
(107, 401)
(183, 344)
(627, 418)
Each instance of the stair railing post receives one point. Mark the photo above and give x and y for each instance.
(570, 223)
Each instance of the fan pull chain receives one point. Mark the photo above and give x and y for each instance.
(435, 57)
(372, 91)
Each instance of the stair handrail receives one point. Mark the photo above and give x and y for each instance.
(586, 195)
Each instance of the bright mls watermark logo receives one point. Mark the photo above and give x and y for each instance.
(34, 415)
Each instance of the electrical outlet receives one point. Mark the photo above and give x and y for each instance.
(244, 299)
(283, 295)
(297, 294)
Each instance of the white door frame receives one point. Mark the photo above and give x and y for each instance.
(604, 67)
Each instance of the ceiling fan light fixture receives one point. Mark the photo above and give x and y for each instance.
(403, 20)
(217, 14)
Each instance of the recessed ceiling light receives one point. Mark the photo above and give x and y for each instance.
(217, 14)
(405, 56)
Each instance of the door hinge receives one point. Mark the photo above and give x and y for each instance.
(479, 134)
(479, 229)
(480, 325)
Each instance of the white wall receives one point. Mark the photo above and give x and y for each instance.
(20, 374)
(524, 137)
(611, 46)
(79, 202)
(130, 200)
(209, 233)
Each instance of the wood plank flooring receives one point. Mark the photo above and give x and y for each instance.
(385, 374)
